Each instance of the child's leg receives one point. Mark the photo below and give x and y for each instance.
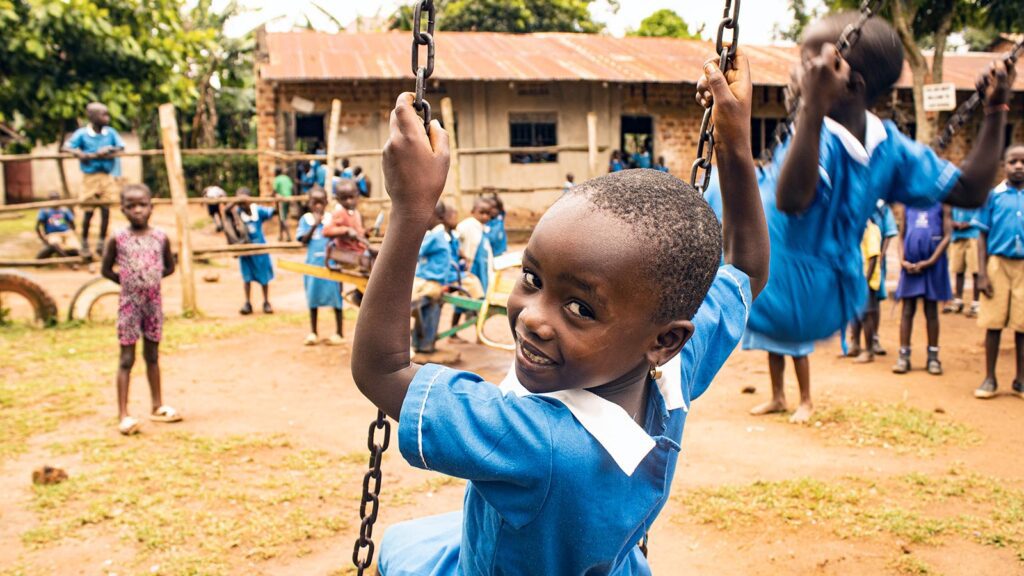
(776, 370)
(266, 292)
(312, 321)
(248, 292)
(86, 224)
(104, 223)
(426, 333)
(959, 294)
(992, 338)
(977, 291)
(151, 354)
(124, 373)
(907, 323)
(46, 252)
(1018, 338)
(339, 322)
(803, 377)
(931, 314)
(456, 318)
(855, 331)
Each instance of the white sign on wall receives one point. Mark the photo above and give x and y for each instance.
(939, 97)
(300, 104)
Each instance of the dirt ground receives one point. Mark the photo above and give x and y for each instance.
(265, 382)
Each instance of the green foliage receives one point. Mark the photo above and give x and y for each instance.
(666, 23)
(1004, 14)
(801, 18)
(228, 172)
(517, 16)
(58, 55)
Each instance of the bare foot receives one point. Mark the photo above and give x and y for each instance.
(802, 415)
(770, 407)
(865, 357)
(853, 352)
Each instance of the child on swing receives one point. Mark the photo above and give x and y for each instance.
(621, 317)
(830, 174)
(348, 246)
(320, 293)
(925, 276)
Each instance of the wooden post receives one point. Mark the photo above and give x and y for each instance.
(179, 198)
(332, 137)
(64, 190)
(3, 186)
(592, 160)
(448, 117)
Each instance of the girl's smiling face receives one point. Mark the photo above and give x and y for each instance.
(582, 313)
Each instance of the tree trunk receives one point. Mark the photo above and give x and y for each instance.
(902, 17)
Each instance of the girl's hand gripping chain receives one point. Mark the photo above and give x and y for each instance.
(415, 165)
(996, 84)
(823, 79)
(731, 94)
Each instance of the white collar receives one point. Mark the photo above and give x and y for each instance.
(874, 134)
(441, 228)
(93, 132)
(1004, 186)
(626, 442)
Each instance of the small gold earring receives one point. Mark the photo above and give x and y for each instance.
(655, 373)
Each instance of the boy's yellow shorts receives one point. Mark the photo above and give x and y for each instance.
(100, 186)
(963, 256)
(1005, 309)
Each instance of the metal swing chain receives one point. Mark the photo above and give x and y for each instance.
(847, 40)
(371, 494)
(706, 144)
(423, 38)
(967, 109)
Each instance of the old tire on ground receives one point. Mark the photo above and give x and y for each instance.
(86, 297)
(42, 303)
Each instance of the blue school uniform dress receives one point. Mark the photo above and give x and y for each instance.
(495, 232)
(88, 140)
(817, 283)
(1002, 220)
(886, 222)
(320, 293)
(559, 483)
(924, 234)
(257, 268)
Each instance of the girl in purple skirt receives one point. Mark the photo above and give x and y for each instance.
(925, 274)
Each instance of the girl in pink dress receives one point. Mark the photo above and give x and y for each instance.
(143, 257)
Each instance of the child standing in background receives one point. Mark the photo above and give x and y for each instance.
(1001, 276)
(871, 250)
(143, 258)
(963, 258)
(476, 252)
(496, 227)
(362, 184)
(925, 275)
(283, 187)
(884, 220)
(569, 184)
(436, 270)
(348, 247)
(320, 293)
(95, 145)
(257, 268)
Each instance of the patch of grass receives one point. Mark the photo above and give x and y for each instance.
(50, 375)
(895, 427)
(200, 223)
(198, 505)
(18, 225)
(914, 508)
(908, 565)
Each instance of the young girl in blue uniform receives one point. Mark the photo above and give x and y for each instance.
(925, 275)
(839, 162)
(256, 268)
(496, 227)
(320, 293)
(621, 317)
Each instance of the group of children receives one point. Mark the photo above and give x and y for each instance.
(620, 160)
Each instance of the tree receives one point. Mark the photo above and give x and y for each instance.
(517, 16)
(666, 23)
(58, 55)
(801, 18)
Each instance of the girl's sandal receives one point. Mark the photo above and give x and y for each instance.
(128, 426)
(165, 414)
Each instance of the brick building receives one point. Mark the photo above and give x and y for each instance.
(525, 90)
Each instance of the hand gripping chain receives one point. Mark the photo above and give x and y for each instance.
(966, 110)
(706, 144)
(422, 37)
(371, 493)
(849, 37)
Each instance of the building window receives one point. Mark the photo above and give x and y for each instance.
(761, 134)
(532, 129)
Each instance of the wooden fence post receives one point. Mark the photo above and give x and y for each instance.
(3, 186)
(448, 117)
(332, 140)
(592, 161)
(179, 198)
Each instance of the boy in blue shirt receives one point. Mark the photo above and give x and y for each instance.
(620, 318)
(258, 267)
(1001, 275)
(95, 145)
(839, 162)
(963, 260)
(436, 270)
(56, 228)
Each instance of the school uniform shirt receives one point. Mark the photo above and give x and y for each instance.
(90, 141)
(1002, 220)
(56, 220)
(817, 284)
(559, 483)
(965, 216)
(496, 235)
(476, 248)
(435, 259)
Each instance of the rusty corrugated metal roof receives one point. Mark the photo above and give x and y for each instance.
(317, 56)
